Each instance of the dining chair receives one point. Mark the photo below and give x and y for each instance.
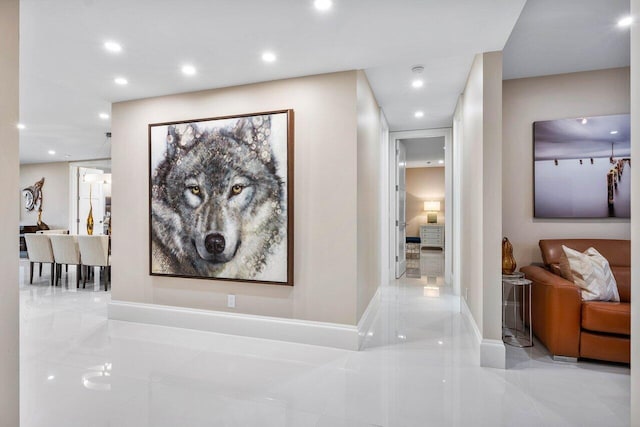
(39, 250)
(55, 231)
(94, 252)
(66, 251)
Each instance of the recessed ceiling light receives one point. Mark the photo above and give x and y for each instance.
(121, 81)
(323, 5)
(440, 161)
(21, 126)
(584, 121)
(103, 116)
(52, 152)
(613, 132)
(626, 21)
(417, 83)
(269, 57)
(418, 114)
(112, 46)
(188, 70)
(51, 377)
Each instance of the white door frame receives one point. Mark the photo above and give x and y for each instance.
(400, 196)
(449, 233)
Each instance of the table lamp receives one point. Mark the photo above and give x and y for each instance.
(432, 208)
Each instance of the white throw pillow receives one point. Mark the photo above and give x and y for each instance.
(591, 272)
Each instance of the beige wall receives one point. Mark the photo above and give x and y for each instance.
(481, 181)
(369, 209)
(326, 200)
(492, 197)
(55, 211)
(591, 93)
(635, 215)
(423, 184)
(9, 326)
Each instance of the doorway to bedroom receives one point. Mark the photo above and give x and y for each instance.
(422, 207)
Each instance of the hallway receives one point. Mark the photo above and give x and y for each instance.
(419, 368)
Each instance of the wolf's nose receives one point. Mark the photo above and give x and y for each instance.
(214, 243)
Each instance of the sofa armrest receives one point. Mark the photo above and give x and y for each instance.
(556, 311)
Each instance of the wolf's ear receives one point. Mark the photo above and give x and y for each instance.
(181, 137)
(254, 131)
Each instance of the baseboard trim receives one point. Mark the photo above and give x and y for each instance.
(493, 353)
(275, 328)
(368, 318)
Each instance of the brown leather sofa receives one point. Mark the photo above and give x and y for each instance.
(573, 328)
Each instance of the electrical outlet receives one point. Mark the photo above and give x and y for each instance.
(231, 301)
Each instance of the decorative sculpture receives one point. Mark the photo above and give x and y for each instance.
(33, 198)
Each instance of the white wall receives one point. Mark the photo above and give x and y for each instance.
(326, 200)
(480, 171)
(456, 247)
(369, 215)
(591, 93)
(471, 191)
(55, 208)
(635, 215)
(9, 306)
(385, 205)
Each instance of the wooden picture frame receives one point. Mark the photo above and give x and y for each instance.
(221, 198)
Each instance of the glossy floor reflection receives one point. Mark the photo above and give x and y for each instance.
(419, 368)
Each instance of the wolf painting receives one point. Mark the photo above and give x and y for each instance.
(220, 202)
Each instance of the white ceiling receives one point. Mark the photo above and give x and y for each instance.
(66, 77)
(444, 81)
(564, 36)
(424, 152)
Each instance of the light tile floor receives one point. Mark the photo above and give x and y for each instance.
(420, 368)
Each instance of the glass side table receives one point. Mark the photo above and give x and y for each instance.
(516, 334)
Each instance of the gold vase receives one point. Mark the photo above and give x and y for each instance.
(90, 217)
(90, 222)
(508, 261)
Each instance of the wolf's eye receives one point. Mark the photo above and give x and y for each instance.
(236, 189)
(195, 190)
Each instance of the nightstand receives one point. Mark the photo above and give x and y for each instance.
(432, 236)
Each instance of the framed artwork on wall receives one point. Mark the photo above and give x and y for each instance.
(582, 167)
(221, 198)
